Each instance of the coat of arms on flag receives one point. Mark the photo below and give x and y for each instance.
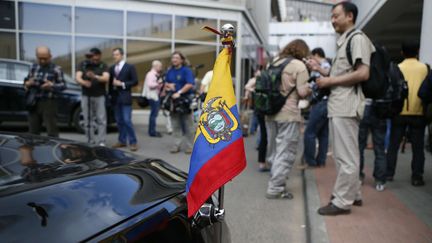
(218, 154)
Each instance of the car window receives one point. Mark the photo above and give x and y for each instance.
(20, 71)
(3, 70)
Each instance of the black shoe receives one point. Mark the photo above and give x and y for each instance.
(357, 202)
(389, 178)
(332, 210)
(417, 182)
(157, 134)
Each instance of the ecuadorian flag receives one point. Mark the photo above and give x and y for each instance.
(218, 154)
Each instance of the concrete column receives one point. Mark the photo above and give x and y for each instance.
(426, 33)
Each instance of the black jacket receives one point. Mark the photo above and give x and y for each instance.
(127, 75)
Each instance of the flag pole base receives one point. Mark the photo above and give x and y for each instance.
(207, 215)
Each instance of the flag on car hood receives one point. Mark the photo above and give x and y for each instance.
(218, 154)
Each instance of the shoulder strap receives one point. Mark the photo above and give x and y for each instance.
(348, 46)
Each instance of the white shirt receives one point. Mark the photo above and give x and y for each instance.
(119, 67)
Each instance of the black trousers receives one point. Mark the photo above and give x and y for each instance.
(416, 127)
(46, 112)
(262, 147)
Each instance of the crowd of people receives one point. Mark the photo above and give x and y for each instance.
(104, 86)
(339, 108)
(341, 114)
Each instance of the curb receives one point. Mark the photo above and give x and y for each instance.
(316, 231)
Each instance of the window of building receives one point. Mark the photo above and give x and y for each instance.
(189, 28)
(99, 21)
(142, 53)
(60, 47)
(34, 16)
(106, 45)
(149, 25)
(7, 15)
(7, 45)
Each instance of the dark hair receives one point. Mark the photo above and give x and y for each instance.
(410, 49)
(119, 49)
(180, 54)
(95, 51)
(348, 7)
(296, 48)
(318, 51)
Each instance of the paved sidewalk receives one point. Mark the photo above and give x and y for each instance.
(401, 213)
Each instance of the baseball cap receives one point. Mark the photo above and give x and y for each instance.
(94, 51)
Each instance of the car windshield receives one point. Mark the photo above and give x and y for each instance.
(29, 159)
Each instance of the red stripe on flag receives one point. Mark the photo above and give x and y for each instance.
(220, 169)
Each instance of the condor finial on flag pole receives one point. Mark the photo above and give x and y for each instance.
(218, 154)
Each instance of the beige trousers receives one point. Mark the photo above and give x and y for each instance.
(344, 137)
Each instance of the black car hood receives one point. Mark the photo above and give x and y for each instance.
(77, 198)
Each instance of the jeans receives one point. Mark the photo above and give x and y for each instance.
(154, 109)
(416, 126)
(123, 115)
(254, 123)
(387, 136)
(317, 127)
(378, 129)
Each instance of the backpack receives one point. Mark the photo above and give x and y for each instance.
(268, 100)
(375, 87)
(391, 104)
(425, 94)
(386, 84)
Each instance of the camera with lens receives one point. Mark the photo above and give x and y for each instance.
(182, 105)
(317, 93)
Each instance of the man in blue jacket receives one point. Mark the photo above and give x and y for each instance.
(123, 77)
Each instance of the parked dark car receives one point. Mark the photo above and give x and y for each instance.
(12, 107)
(55, 190)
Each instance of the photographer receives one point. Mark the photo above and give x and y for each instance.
(93, 75)
(317, 126)
(42, 84)
(180, 82)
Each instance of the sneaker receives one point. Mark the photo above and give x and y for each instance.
(380, 186)
(174, 150)
(119, 145)
(389, 178)
(417, 182)
(358, 203)
(280, 195)
(332, 210)
(102, 144)
(133, 147)
(263, 167)
(188, 151)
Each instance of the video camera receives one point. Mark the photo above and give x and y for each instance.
(317, 93)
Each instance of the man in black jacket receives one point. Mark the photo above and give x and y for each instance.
(123, 77)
